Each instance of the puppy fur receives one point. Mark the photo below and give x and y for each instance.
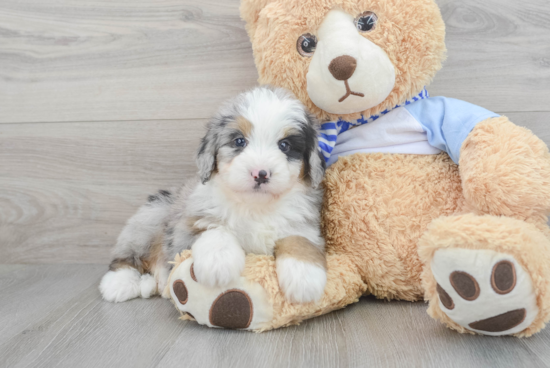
(258, 187)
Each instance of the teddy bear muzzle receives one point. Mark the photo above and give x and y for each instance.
(348, 73)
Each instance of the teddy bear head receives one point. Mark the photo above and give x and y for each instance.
(346, 58)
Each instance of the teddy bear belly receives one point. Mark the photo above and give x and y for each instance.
(376, 208)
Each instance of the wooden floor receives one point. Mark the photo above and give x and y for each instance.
(103, 102)
(48, 319)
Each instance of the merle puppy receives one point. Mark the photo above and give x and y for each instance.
(257, 192)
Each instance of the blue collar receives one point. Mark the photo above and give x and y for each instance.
(330, 130)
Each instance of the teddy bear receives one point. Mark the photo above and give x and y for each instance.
(426, 198)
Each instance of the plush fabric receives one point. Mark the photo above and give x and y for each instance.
(505, 171)
(376, 208)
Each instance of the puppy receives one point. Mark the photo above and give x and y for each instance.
(257, 192)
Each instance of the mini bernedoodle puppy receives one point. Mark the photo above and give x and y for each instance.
(257, 192)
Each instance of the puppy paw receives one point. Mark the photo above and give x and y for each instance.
(484, 291)
(148, 286)
(301, 282)
(218, 270)
(218, 259)
(120, 285)
(241, 304)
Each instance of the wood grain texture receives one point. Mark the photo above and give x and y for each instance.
(99, 60)
(66, 189)
(50, 320)
(76, 328)
(498, 54)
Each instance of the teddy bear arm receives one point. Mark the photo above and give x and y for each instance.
(505, 170)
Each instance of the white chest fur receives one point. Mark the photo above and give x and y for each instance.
(257, 226)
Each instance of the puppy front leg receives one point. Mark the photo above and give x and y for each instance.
(301, 269)
(218, 257)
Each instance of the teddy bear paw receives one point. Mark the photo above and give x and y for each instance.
(241, 304)
(484, 291)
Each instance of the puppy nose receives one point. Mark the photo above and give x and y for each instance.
(260, 176)
(342, 67)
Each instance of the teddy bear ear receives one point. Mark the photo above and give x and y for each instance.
(250, 10)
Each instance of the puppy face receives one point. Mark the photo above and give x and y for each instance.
(346, 58)
(262, 143)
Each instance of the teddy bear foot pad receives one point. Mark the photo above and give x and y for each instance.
(484, 291)
(240, 305)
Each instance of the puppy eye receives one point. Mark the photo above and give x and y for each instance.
(306, 45)
(366, 21)
(284, 146)
(240, 142)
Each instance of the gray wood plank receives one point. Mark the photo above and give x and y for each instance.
(73, 60)
(371, 333)
(78, 329)
(56, 318)
(498, 54)
(29, 293)
(66, 189)
(135, 60)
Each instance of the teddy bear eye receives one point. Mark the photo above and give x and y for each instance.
(366, 21)
(306, 44)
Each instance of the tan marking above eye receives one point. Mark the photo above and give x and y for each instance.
(244, 126)
(465, 285)
(287, 132)
(503, 277)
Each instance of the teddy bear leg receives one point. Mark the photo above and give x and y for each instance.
(486, 274)
(240, 305)
(255, 301)
(505, 171)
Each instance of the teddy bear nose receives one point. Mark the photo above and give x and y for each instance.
(342, 67)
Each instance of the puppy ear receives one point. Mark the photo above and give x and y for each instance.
(314, 161)
(318, 166)
(208, 150)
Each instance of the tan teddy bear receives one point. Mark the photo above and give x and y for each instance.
(426, 198)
